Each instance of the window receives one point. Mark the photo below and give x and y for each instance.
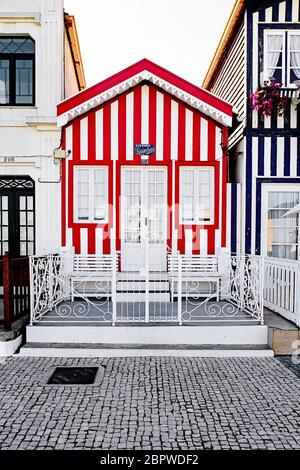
(17, 71)
(91, 194)
(281, 61)
(283, 231)
(197, 195)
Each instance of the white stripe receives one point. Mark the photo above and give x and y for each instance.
(188, 135)
(219, 153)
(269, 12)
(294, 157)
(203, 139)
(129, 126)
(254, 174)
(295, 10)
(99, 240)
(255, 63)
(280, 156)
(145, 114)
(69, 146)
(239, 217)
(228, 218)
(280, 122)
(293, 116)
(159, 126)
(188, 241)
(203, 242)
(174, 130)
(83, 240)
(84, 139)
(267, 122)
(114, 130)
(99, 135)
(281, 12)
(267, 156)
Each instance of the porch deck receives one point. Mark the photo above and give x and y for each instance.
(99, 313)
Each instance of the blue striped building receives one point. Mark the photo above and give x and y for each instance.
(262, 42)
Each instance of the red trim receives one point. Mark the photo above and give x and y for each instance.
(137, 68)
(63, 192)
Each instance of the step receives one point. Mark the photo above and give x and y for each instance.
(148, 334)
(141, 297)
(145, 350)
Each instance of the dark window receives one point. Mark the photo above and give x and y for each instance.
(17, 62)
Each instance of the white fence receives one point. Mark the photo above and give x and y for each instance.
(282, 288)
(193, 289)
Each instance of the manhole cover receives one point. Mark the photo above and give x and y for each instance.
(73, 375)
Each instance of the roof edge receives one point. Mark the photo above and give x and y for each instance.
(227, 35)
(72, 35)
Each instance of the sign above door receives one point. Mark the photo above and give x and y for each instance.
(144, 149)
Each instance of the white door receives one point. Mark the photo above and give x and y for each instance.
(143, 218)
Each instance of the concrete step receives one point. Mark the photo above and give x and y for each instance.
(142, 350)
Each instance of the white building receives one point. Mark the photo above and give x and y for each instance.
(40, 65)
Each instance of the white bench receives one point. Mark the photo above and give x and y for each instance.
(92, 269)
(194, 268)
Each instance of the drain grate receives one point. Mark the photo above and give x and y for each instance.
(73, 375)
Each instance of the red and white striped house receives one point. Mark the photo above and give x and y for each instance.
(113, 195)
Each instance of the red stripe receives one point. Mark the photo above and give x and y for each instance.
(70, 193)
(118, 208)
(167, 127)
(196, 240)
(91, 240)
(91, 138)
(152, 120)
(106, 133)
(224, 189)
(210, 241)
(76, 238)
(76, 141)
(181, 132)
(137, 116)
(106, 240)
(63, 193)
(196, 137)
(122, 127)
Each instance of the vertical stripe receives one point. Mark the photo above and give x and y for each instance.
(211, 141)
(196, 240)
(254, 53)
(281, 16)
(203, 242)
(188, 241)
(267, 157)
(129, 126)
(248, 201)
(181, 133)
(152, 116)
(275, 15)
(167, 127)
(288, 10)
(122, 138)
(294, 157)
(76, 239)
(174, 130)
(69, 146)
(239, 217)
(261, 14)
(267, 122)
(84, 138)
(293, 113)
(229, 216)
(258, 220)
(159, 126)
(233, 219)
(295, 11)
(106, 133)
(137, 116)
(280, 156)
(188, 135)
(69, 237)
(91, 241)
(298, 156)
(145, 114)
(260, 160)
(196, 137)
(99, 135)
(114, 130)
(99, 240)
(273, 156)
(204, 140)
(91, 137)
(280, 122)
(269, 15)
(211, 241)
(84, 241)
(287, 156)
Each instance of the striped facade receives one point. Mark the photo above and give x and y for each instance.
(107, 135)
(264, 150)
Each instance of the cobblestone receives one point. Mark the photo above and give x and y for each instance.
(152, 403)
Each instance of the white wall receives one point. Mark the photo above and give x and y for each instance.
(31, 132)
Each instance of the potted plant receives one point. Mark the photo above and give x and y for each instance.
(267, 100)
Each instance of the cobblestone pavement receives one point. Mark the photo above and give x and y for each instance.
(152, 403)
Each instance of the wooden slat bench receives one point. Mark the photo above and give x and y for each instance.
(194, 268)
(92, 269)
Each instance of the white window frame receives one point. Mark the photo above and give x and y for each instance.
(273, 187)
(91, 169)
(273, 32)
(198, 169)
(289, 34)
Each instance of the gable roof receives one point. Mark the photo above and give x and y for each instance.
(225, 42)
(144, 70)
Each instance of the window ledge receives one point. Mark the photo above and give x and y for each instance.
(32, 16)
